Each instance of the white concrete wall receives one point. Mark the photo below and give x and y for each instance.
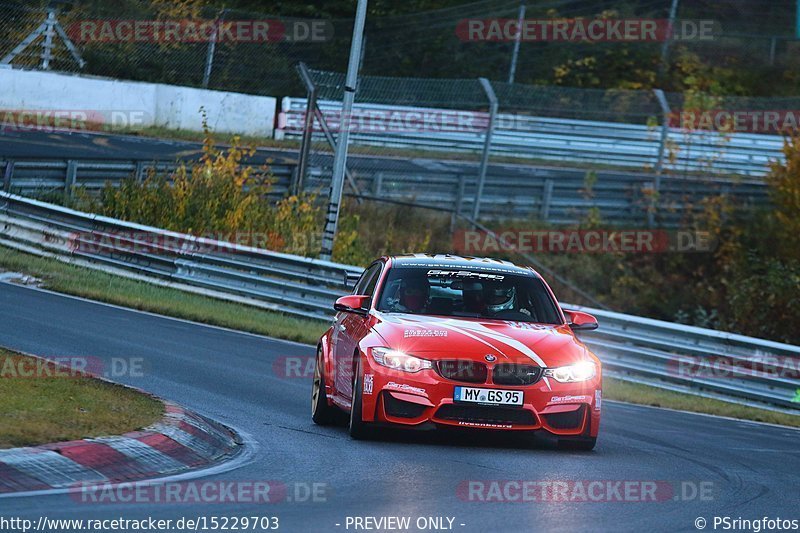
(143, 104)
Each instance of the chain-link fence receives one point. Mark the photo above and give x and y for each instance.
(755, 39)
(221, 49)
(553, 154)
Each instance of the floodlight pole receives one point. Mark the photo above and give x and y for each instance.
(340, 156)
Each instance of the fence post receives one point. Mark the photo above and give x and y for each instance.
(487, 145)
(212, 49)
(7, 175)
(377, 184)
(673, 12)
(305, 75)
(308, 124)
(512, 71)
(662, 153)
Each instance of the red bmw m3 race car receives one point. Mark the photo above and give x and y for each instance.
(429, 341)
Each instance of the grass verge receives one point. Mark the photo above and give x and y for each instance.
(95, 285)
(144, 296)
(50, 405)
(623, 391)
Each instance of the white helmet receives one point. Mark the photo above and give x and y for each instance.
(501, 299)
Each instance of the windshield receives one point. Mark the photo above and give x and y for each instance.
(472, 293)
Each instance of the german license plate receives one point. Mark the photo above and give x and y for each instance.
(488, 396)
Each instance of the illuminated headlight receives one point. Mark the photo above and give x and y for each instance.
(399, 361)
(583, 371)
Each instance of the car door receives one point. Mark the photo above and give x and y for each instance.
(348, 329)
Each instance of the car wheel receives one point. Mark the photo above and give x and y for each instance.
(359, 429)
(321, 413)
(582, 444)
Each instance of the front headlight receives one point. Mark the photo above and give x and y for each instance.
(399, 361)
(583, 371)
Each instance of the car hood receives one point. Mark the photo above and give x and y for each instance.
(434, 337)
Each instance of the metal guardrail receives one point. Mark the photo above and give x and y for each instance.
(553, 139)
(632, 348)
(553, 195)
(38, 176)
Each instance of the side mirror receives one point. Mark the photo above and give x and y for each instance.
(580, 321)
(352, 304)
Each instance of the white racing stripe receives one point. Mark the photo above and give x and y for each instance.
(477, 332)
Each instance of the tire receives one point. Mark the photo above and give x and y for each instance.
(321, 413)
(359, 430)
(580, 444)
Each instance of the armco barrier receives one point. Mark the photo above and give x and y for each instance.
(554, 195)
(613, 144)
(632, 348)
(42, 176)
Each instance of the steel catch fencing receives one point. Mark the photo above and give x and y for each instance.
(609, 144)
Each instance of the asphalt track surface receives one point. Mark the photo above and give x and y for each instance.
(38, 145)
(752, 469)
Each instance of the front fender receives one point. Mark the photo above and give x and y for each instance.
(327, 359)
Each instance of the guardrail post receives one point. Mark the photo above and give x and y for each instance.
(7, 175)
(547, 198)
(487, 145)
(377, 184)
(773, 45)
(70, 179)
(666, 113)
(461, 186)
(139, 172)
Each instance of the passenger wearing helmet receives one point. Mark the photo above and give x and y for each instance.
(412, 296)
(501, 298)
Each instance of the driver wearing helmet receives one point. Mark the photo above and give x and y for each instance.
(500, 298)
(474, 297)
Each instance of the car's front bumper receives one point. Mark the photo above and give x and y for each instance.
(420, 399)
